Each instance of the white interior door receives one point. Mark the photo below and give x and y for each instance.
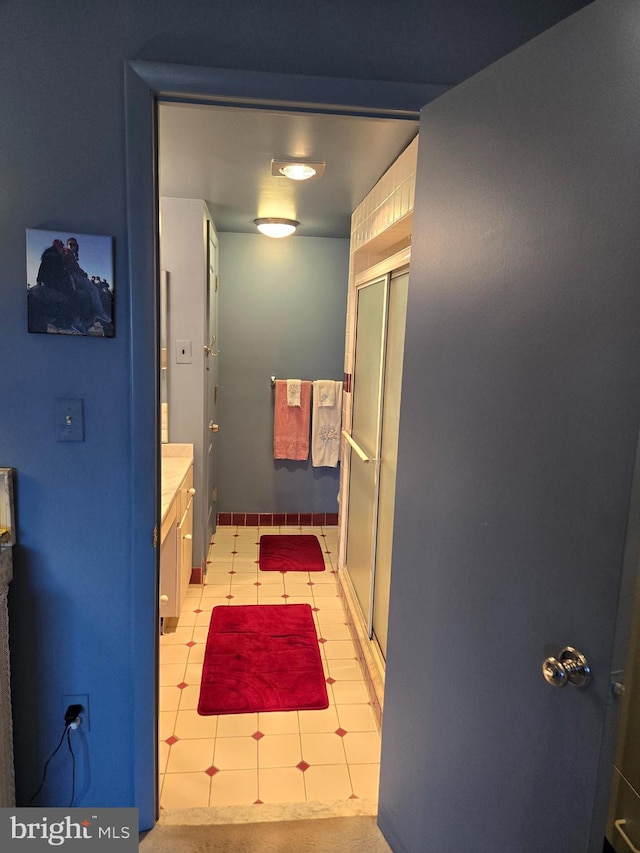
(515, 526)
(211, 379)
(366, 426)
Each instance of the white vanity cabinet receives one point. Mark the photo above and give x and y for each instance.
(176, 531)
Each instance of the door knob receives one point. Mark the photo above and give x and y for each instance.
(570, 667)
(213, 427)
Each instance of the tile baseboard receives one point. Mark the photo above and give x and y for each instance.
(277, 519)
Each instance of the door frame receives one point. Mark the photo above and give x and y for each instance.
(146, 83)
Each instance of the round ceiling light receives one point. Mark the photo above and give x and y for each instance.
(298, 171)
(273, 226)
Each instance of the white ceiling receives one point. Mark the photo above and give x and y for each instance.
(223, 155)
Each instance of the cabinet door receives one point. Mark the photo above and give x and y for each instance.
(169, 573)
(185, 540)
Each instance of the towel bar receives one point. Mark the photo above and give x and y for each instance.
(273, 381)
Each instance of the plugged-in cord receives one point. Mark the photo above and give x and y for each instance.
(71, 721)
(67, 728)
(73, 766)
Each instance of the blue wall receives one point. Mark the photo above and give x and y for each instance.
(282, 310)
(74, 628)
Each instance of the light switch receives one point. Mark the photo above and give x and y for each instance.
(69, 419)
(183, 352)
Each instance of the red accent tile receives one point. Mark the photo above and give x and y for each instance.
(224, 518)
(252, 519)
(257, 583)
(353, 797)
(278, 518)
(197, 611)
(182, 685)
(303, 766)
(321, 640)
(266, 519)
(305, 519)
(316, 609)
(310, 583)
(258, 803)
(211, 771)
(196, 575)
(292, 519)
(171, 740)
(285, 596)
(234, 552)
(346, 384)
(341, 732)
(229, 597)
(331, 519)
(257, 735)
(238, 518)
(190, 643)
(330, 680)
(318, 519)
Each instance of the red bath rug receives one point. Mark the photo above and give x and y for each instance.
(290, 553)
(262, 657)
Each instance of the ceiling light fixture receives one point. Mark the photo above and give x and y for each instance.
(273, 226)
(297, 170)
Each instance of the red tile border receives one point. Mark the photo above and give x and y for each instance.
(196, 575)
(346, 385)
(277, 519)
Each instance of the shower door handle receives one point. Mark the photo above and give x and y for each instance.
(213, 427)
(363, 456)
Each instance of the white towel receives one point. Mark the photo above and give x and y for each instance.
(293, 392)
(326, 391)
(325, 425)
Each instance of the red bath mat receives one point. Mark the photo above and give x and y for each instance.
(262, 657)
(290, 553)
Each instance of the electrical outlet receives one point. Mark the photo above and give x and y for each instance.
(77, 699)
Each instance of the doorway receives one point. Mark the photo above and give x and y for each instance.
(403, 757)
(363, 735)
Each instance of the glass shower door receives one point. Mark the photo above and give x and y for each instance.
(365, 438)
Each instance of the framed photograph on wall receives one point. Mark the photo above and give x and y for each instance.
(70, 289)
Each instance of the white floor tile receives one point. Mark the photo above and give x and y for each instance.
(234, 788)
(185, 790)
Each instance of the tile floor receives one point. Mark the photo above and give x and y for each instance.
(275, 757)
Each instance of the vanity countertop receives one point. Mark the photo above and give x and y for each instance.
(175, 462)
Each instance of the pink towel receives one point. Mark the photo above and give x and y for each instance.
(291, 423)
